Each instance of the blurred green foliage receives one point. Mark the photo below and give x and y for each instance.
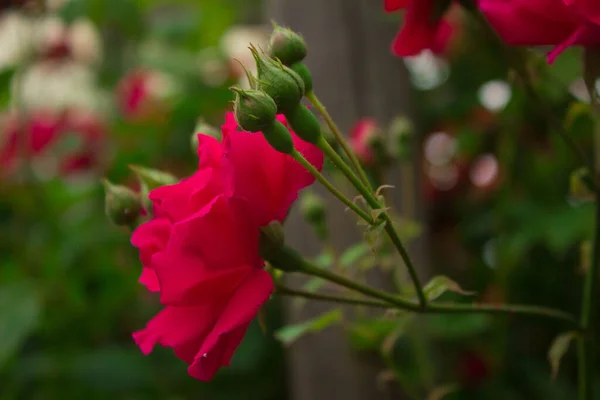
(69, 296)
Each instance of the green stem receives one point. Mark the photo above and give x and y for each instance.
(285, 291)
(306, 164)
(339, 137)
(433, 308)
(374, 203)
(589, 299)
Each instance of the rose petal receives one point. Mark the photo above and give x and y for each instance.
(220, 344)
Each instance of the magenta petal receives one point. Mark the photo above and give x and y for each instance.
(208, 254)
(177, 327)
(149, 279)
(226, 335)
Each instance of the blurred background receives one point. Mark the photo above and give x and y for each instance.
(89, 87)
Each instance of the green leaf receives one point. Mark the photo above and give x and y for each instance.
(353, 254)
(439, 285)
(290, 333)
(19, 314)
(558, 348)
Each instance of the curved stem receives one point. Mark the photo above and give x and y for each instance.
(304, 162)
(441, 308)
(339, 137)
(285, 291)
(376, 205)
(589, 298)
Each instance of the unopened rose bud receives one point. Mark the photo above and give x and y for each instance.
(400, 135)
(302, 70)
(254, 110)
(279, 137)
(122, 205)
(282, 84)
(313, 210)
(304, 124)
(287, 45)
(204, 128)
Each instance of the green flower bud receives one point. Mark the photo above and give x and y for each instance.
(254, 110)
(301, 69)
(287, 45)
(284, 86)
(122, 205)
(304, 123)
(279, 137)
(400, 135)
(313, 210)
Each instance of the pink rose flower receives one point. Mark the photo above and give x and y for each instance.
(361, 137)
(418, 32)
(200, 251)
(559, 23)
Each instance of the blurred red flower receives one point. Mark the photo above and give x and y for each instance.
(419, 32)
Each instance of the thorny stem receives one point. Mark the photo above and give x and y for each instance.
(384, 216)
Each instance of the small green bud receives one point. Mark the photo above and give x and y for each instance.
(287, 45)
(301, 69)
(313, 210)
(304, 123)
(279, 137)
(254, 110)
(284, 86)
(122, 205)
(400, 135)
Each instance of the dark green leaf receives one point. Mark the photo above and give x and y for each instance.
(290, 333)
(558, 348)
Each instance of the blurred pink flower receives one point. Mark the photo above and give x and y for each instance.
(200, 251)
(43, 133)
(361, 139)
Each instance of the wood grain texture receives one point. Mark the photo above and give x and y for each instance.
(355, 75)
